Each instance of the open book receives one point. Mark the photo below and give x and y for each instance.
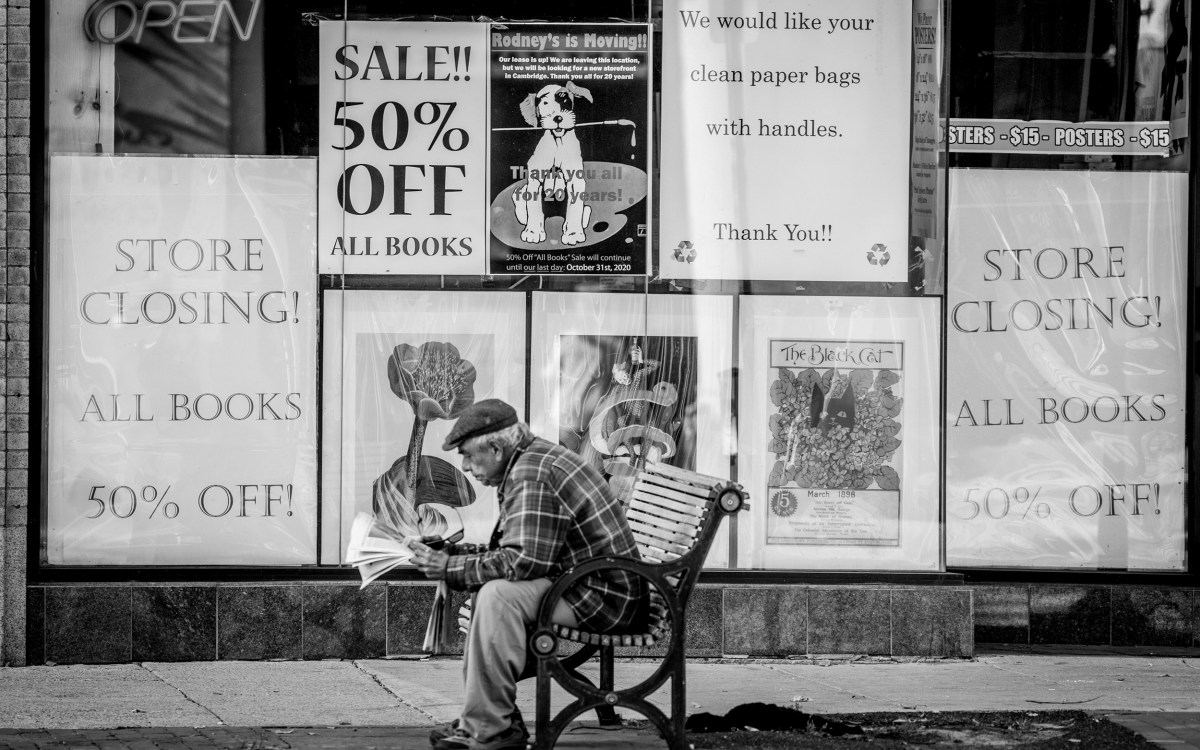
(377, 547)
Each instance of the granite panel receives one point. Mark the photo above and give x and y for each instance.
(849, 620)
(1070, 615)
(259, 622)
(766, 621)
(174, 623)
(88, 624)
(1002, 614)
(35, 625)
(344, 622)
(1151, 617)
(1196, 618)
(704, 623)
(408, 606)
(932, 621)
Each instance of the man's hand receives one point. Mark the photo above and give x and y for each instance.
(432, 563)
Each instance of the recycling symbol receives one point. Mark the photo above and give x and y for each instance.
(878, 255)
(684, 252)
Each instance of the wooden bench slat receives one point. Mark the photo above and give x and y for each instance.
(645, 506)
(703, 493)
(657, 547)
(678, 494)
(651, 551)
(665, 499)
(678, 542)
(684, 474)
(685, 529)
(664, 519)
(667, 511)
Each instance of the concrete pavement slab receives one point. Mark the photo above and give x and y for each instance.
(291, 693)
(101, 695)
(431, 686)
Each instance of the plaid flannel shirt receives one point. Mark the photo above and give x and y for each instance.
(555, 512)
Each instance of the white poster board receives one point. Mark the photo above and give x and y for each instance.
(1066, 377)
(838, 421)
(403, 136)
(182, 360)
(655, 371)
(455, 347)
(786, 140)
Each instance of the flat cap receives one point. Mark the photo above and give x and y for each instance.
(480, 418)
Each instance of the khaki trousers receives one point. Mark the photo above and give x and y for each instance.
(495, 652)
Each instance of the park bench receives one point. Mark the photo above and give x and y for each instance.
(674, 514)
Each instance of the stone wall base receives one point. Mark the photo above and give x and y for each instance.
(115, 623)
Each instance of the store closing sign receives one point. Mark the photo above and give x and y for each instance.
(403, 135)
(182, 347)
(1065, 374)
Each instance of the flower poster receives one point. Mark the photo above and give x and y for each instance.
(836, 442)
(838, 427)
(619, 383)
(400, 368)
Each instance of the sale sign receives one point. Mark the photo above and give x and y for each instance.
(403, 135)
(182, 352)
(1066, 373)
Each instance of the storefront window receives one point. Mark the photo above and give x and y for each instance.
(287, 244)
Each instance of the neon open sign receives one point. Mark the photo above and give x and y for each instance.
(189, 21)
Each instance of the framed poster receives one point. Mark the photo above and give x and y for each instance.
(570, 148)
(182, 406)
(809, 108)
(1067, 327)
(838, 417)
(618, 376)
(402, 116)
(408, 363)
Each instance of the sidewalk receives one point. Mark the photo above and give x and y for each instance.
(393, 702)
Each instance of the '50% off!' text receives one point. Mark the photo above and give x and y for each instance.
(996, 503)
(214, 501)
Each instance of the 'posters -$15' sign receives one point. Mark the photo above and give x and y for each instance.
(1065, 385)
(182, 347)
(403, 137)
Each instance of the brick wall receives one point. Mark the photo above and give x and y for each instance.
(14, 324)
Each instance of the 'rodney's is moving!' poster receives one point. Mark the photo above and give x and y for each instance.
(570, 149)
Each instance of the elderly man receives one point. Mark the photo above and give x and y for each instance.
(555, 511)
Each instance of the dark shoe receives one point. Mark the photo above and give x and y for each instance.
(442, 732)
(456, 740)
(513, 738)
(447, 730)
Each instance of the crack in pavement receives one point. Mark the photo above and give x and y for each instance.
(375, 678)
(179, 690)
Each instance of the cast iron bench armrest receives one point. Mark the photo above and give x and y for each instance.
(675, 515)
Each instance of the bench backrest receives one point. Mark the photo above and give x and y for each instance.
(668, 510)
(674, 514)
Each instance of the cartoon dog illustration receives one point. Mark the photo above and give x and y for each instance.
(555, 171)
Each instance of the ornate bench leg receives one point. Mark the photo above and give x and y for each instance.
(607, 714)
